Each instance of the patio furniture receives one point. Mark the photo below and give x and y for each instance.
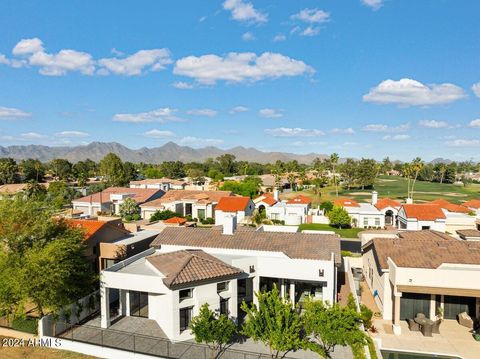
(413, 326)
(465, 320)
(426, 325)
(427, 330)
(420, 315)
(436, 326)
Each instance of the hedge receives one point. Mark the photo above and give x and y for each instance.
(28, 325)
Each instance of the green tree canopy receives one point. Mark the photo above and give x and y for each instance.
(111, 167)
(8, 171)
(32, 170)
(61, 169)
(129, 208)
(339, 217)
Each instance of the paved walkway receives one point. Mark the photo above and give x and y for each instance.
(453, 339)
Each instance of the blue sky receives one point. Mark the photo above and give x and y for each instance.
(372, 78)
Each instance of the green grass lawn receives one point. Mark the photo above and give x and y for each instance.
(345, 233)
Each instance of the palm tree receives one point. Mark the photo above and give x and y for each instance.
(291, 179)
(417, 165)
(442, 168)
(333, 163)
(407, 172)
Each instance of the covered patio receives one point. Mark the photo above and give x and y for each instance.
(454, 339)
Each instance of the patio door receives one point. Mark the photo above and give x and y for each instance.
(413, 303)
(138, 304)
(455, 305)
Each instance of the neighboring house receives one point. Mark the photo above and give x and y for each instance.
(175, 221)
(198, 204)
(294, 211)
(389, 209)
(110, 199)
(165, 184)
(188, 267)
(14, 188)
(270, 183)
(266, 200)
(451, 207)
(469, 234)
(97, 232)
(473, 205)
(416, 217)
(419, 275)
(241, 207)
(364, 215)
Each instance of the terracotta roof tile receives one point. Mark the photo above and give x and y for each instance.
(451, 207)
(471, 233)
(179, 195)
(346, 202)
(232, 204)
(190, 266)
(424, 212)
(293, 245)
(300, 200)
(158, 181)
(175, 220)
(139, 195)
(92, 226)
(387, 202)
(473, 203)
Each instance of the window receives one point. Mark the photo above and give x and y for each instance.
(224, 306)
(221, 287)
(377, 222)
(185, 318)
(185, 294)
(201, 213)
(365, 221)
(425, 228)
(242, 287)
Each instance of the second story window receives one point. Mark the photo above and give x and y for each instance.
(185, 294)
(222, 286)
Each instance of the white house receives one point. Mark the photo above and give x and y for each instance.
(422, 273)
(241, 207)
(294, 211)
(364, 215)
(165, 184)
(110, 199)
(389, 209)
(198, 204)
(266, 200)
(188, 267)
(416, 217)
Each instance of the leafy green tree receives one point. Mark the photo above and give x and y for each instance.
(327, 326)
(61, 169)
(32, 170)
(249, 187)
(8, 171)
(130, 171)
(367, 172)
(129, 209)
(111, 167)
(34, 190)
(152, 172)
(349, 171)
(257, 217)
(173, 169)
(60, 194)
(339, 217)
(326, 206)
(163, 215)
(216, 331)
(274, 322)
(416, 165)
(227, 163)
(334, 163)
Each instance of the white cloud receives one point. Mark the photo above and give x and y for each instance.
(476, 89)
(293, 132)
(207, 112)
(182, 85)
(244, 11)
(238, 109)
(161, 115)
(346, 131)
(158, 134)
(198, 142)
(374, 4)
(248, 36)
(279, 38)
(310, 31)
(136, 64)
(475, 123)
(32, 136)
(28, 46)
(10, 113)
(270, 113)
(314, 16)
(385, 128)
(240, 67)
(463, 143)
(69, 134)
(433, 124)
(396, 137)
(407, 92)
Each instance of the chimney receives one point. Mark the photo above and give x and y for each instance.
(229, 224)
(409, 201)
(276, 195)
(374, 197)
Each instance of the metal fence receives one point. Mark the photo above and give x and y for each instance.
(149, 345)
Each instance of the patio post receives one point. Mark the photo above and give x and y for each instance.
(104, 306)
(292, 292)
(122, 301)
(433, 308)
(397, 330)
(256, 288)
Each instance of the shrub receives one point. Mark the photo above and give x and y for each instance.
(27, 325)
(326, 206)
(346, 253)
(339, 217)
(163, 215)
(277, 221)
(208, 220)
(366, 315)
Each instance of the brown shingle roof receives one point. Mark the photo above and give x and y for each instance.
(293, 245)
(471, 233)
(140, 195)
(424, 212)
(190, 266)
(422, 253)
(425, 234)
(179, 195)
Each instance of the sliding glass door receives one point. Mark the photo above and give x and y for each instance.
(138, 304)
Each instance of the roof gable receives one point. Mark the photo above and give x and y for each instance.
(423, 212)
(387, 202)
(345, 202)
(232, 204)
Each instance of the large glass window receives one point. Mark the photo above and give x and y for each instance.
(138, 304)
(185, 318)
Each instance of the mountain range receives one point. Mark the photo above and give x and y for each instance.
(168, 152)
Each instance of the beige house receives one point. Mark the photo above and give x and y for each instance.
(165, 184)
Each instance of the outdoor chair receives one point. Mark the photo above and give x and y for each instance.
(413, 326)
(465, 320)
(436, 326)
(420, 315)
(427, 330)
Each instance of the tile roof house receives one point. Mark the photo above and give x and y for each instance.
(110, 199)
(451, 207)
(241, 207)
(175, 221)
(165, 184)
(187, 267)
(415, 217)
(419, 273)
(389, 209)
(195, 203)
(363, 215)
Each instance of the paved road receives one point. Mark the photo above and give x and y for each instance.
(352, 245)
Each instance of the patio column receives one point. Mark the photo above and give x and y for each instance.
(433, 306)
(127, 303)
(104, 306)
(256, 288)
(122, 294)
(292, 292)
(282, 288)
(396, 313)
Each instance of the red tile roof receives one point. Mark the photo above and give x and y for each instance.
(139, 195)
(473, 203)
(92, 226)
(387, 202)
(267, 198)
(424, 212)
(175, 220)
(346, 202)
(300, 200)
(188, 195)
(451, 207)
(232, 204)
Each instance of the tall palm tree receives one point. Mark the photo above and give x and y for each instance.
(333, 163)
(407, 172)
(417, 165)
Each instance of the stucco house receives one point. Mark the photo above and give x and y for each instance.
(404, 280)
(473, 205)
(110, 199)
(187, 267)
(364, 215)
(241, 207)
(389, 209)
(198, 204)
(416, 217)
(165, 184)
